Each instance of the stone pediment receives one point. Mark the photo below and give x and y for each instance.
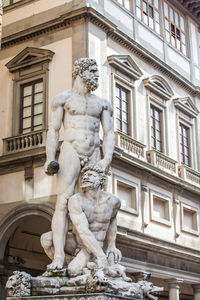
(186, 105)
(126, 65)
(29, 56)
(158, 85)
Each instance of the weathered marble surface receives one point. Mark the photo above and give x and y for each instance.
(80, 113)
(95, 296)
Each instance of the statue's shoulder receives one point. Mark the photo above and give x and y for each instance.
(106, 105)
(61, 98)
(114, 198)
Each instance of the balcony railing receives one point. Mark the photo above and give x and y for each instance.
(162, 161)
(129, 144)
(24, 142)
(189, 174)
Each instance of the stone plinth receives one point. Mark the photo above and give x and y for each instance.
(91, 296)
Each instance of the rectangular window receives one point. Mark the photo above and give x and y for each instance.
(122, 109)
(184, 133)
(125, 3)
(148, 11)
(175, 28)
(31, 107)
(156, 128)
(9, 2)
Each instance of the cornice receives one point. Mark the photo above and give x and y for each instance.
(112, 31)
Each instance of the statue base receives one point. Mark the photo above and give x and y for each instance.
(91, 296)
(91, 286)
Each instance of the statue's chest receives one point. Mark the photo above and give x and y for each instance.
(83, 106)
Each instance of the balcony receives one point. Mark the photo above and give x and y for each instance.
(24, 142)
(162, 161)
(129, 144)
(189, 174)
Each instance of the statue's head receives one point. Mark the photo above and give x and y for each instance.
(87, 69)
(92, 177)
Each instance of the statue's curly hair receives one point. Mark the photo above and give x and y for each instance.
(100, 171)
(82, 64)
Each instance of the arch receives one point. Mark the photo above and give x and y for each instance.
(160, 81)
(15, 217)
(159, 86)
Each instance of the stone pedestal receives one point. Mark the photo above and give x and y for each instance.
(92, 296)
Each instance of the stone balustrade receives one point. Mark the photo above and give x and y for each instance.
(162, 161)
(189, 174)
(24, 142)
(129, 144)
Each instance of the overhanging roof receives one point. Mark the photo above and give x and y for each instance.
(193, 6)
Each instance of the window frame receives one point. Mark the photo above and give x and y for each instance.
(193, 210)
(155, 9)
(32, 83)
(154, 100)
(167, 200)
(124, 6)
(173, 22)
(160, 112)
(182, 146)
(29, 65)
(130, 183)
(121, 88)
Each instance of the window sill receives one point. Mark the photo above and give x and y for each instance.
(178, 52)
(129, 210)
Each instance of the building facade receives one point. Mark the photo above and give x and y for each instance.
(148, 53)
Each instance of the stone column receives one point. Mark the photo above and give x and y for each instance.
(196, 289)
(173, 285)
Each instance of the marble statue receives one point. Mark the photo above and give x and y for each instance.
(93, 215)
(81, 114)
(84, 260)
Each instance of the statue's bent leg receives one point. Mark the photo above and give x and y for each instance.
(78, 263)
(47, 244)
(66, 181)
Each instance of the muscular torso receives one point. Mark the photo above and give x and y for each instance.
(99, 214)
(81, 122)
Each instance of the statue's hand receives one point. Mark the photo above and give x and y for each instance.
(51, 167)
(113, 255)
(102, 262)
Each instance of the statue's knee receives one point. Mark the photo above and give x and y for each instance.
(46, 240)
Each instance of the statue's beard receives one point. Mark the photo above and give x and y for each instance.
(90, 185)
(91, 83)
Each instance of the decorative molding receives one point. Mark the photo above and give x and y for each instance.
(28, 57)
(158, 85)
(186, 105)
(126, 65)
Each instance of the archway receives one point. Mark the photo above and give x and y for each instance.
(20, 247)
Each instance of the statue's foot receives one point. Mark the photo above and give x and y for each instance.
(57, 264)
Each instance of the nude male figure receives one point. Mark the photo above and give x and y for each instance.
(81, 113)
(93, 215)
